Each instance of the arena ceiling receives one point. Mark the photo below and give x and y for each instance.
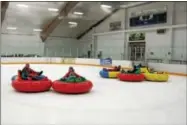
(57, 19)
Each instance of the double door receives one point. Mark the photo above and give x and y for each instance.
(136, 51)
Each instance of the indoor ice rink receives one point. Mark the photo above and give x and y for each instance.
(90, 39)
(110, 102)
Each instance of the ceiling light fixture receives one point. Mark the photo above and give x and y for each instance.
(72, 23)
(52, 9)
(106, 6)
(73, 26)
(78, 13)
(11, 28)
(22, 5)
(37, 30)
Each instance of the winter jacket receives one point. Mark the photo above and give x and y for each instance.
(28, 72)
(71, 73)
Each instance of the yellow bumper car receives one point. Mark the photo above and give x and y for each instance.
(155, 76)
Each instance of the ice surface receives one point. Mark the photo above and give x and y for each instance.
(111, 102)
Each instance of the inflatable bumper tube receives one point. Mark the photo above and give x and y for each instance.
(144, 70)
(106, 74)
(131, 77)
(72, 88)
(31, 86)
(156, 77)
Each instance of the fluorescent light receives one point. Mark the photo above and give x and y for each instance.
(106, 6)
(72, 23)
(78, 13)
(37, 30)
(72, 26)
(22, 5)
(11, 28)
(52, 9)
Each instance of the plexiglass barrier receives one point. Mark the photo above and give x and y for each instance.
(150, 54)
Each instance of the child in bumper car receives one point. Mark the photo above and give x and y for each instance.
(71, 76)
(136, 70)
(29, 74)
(115, 69)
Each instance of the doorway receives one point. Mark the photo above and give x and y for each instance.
(136, 51)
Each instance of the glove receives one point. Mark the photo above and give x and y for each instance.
(40, 73)
(14, 77)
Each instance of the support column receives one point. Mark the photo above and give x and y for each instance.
(125, 35)
(172, 32)
(4, 6)
(94, 44)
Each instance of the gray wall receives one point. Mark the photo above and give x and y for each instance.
(180, 13)
(111, 45)
(159, 44)
(32, 44)
(21, 44)
(179, 44)
(61, 47)
(174, 40)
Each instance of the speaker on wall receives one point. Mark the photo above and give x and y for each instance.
(161, 31)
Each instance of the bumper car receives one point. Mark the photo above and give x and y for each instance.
(131, 76)
(30, 85)
(72, 85)
(109, 74)
(155, 76)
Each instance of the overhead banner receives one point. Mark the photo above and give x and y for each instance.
(149, 19)
(107, 61)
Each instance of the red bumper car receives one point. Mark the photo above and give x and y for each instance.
(31, 85)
